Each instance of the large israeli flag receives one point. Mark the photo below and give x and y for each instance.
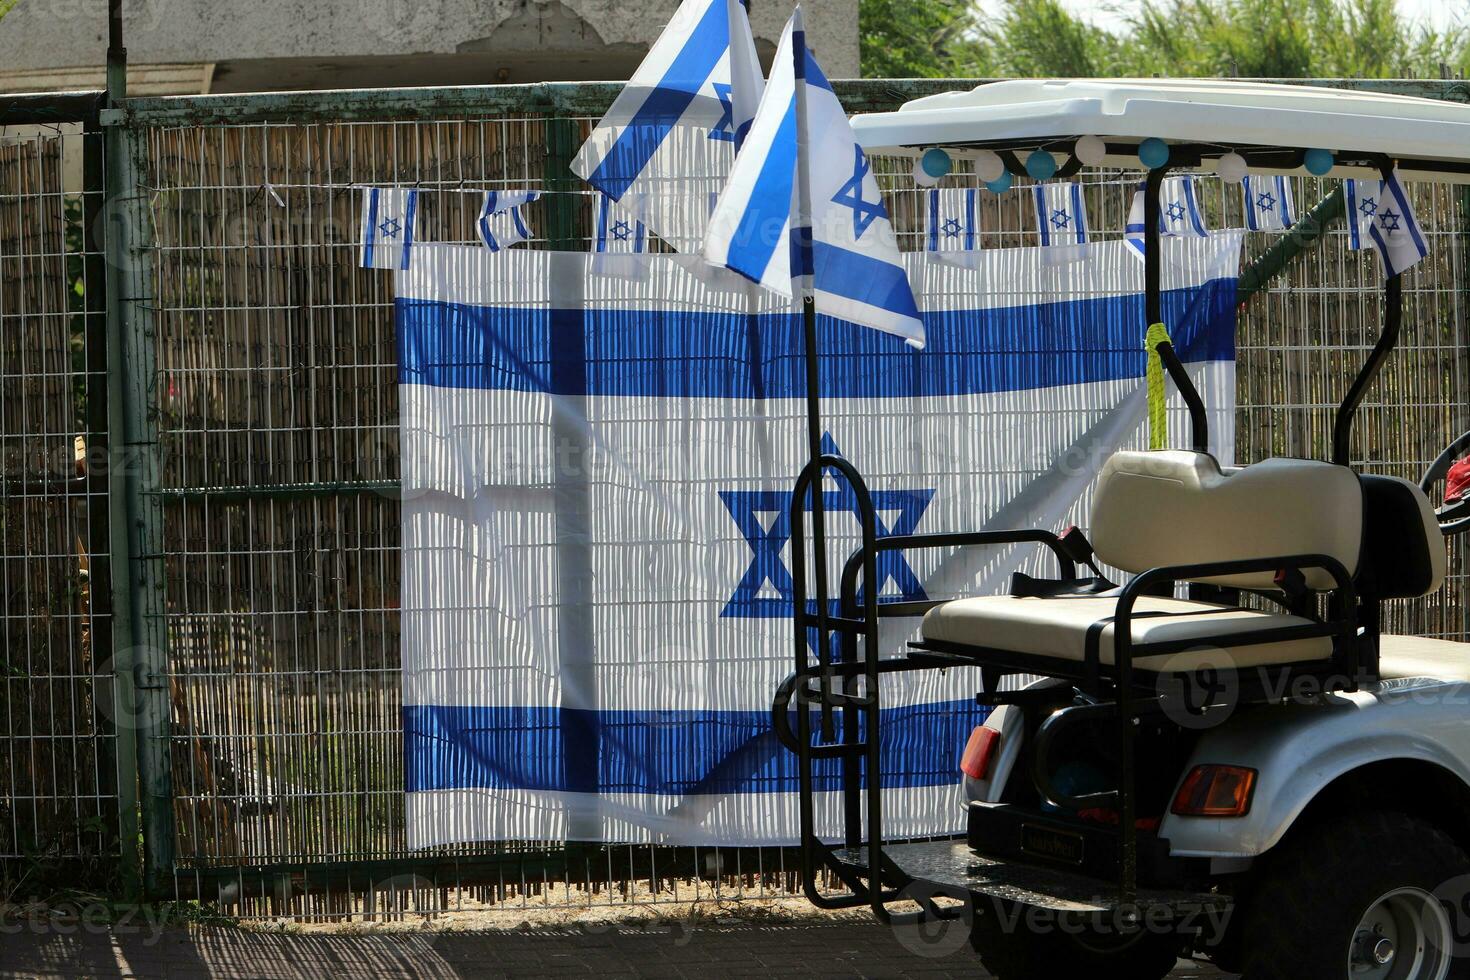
(663, 148)
(756, 230)
(596, 592)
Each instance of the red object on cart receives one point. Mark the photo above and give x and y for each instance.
(1457, 482)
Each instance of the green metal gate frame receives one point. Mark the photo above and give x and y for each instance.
(139, 635)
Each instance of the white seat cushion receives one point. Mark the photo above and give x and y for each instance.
(1421, 656)
(1058, 628)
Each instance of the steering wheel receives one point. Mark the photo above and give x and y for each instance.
(1453, 518)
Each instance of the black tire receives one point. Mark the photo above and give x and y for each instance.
(1011, 951)
(1313, 889)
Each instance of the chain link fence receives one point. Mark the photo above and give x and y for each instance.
(272, 776)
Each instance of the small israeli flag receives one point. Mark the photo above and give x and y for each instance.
(856, 273)
(1061, 216)
(954, 220)
(1179, 213)
(670, 137)
(1384, 220)
(616, 233)
(388, 216)
(1268, 204)
(502, 223)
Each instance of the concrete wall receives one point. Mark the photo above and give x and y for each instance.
(285, 44)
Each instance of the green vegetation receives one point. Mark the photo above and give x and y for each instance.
(1248, 38)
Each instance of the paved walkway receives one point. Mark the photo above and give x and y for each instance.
(672, 949)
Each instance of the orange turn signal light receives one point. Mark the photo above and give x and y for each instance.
(980, 752)
(1215, 791)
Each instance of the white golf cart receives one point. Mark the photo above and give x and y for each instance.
(1268, 780)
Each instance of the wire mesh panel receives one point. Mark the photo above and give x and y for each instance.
(58, 801)
(277, 400)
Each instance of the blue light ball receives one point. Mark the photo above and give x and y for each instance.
(1041, 165)
(936, 163)
(1319, 162)
(1153, 153)
(1000, 184)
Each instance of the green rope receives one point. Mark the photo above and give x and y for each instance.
(1158, 420)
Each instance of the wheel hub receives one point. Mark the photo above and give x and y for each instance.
(1404, 935)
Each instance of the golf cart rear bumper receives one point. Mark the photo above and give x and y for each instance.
(952, 869)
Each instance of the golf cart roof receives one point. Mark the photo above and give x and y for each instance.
(1271, 125)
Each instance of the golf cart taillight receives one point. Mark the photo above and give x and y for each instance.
(1215, 791)
(980, 752)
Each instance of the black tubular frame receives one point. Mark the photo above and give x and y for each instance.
(1393, 317)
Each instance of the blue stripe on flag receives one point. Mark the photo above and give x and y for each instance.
(372, 228)
(1079, 214)
(863, 278)
(769, 207)
(661, 753)
(969, 220)
(666, 103)
(409, 214)
(934, 220)
(1039, 193)
(732, 355)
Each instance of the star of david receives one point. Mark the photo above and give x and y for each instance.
(952, 228)
(850, 195)
(621, 231)
(1176, 211)
(390, 228)
(763, 517)
(1266, 202)
(1368, 207)
(1389, 220)
(1059, 218)
(724, 128)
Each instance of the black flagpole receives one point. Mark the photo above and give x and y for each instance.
(813, 378)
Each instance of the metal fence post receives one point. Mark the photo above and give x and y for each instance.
(139, 635)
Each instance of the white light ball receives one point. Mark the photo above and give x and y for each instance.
(922, 177)
(1090, 150)
(988, 166)
(1231, 167)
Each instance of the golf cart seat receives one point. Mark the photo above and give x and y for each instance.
(1179, 508)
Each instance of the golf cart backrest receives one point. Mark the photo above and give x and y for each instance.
(1404, 553)
(1177, 507)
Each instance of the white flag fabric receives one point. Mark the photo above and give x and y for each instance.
(616, 233)
(389, 216)
(1268, 203)
(1381, 218)
(1061, 215)
(502, 222)
(953, 223)
(664, 147)
(857, 274)
(596, 601)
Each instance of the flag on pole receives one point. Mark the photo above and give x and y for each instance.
(1061, 216)
(1268, 203)
(613, 232)
(1385, 221)
(856, 272)
(954, 220)
(388, 216)
(681, 117)
(502, 223)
